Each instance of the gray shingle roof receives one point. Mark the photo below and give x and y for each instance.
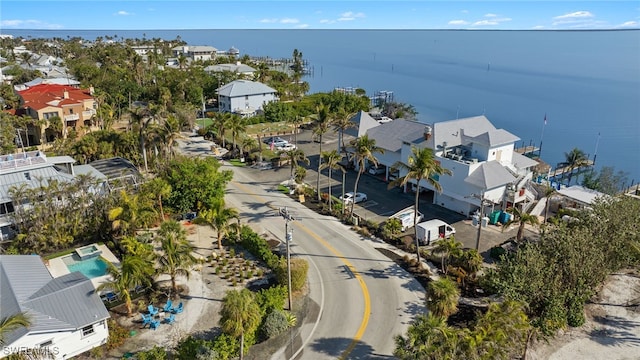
(391, 135)
(490, 175)
(449, 131)
(65, 303)
(493, 138)
(244, 87)
(522, 162)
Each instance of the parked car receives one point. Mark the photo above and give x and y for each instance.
(274, 139)
(285, 147)
(359, 197)
(406, 218)
(377, 170)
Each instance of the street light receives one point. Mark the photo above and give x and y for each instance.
(284, 212)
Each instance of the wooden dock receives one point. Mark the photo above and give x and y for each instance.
(561, 171)
(527, 150)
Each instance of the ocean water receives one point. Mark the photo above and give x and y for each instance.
(586, 83)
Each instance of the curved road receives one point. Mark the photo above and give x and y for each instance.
(360, 298)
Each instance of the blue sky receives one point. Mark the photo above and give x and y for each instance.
(331, 14)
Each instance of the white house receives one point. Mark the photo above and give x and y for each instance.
(67, 315)
(483, 163)
(195, 52)
(239, 68)
(245, 97)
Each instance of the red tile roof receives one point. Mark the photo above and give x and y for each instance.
(44, 95)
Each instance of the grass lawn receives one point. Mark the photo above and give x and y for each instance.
(237, 162)
(269, 129)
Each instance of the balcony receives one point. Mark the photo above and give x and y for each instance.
(72, 117)
(88, 113)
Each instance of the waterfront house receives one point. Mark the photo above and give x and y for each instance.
(245, 97)
(239, 68)
(75, 107)
(195, 53)
(484, 164)
(67, 316)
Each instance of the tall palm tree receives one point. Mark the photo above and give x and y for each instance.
(320, 127)
(575, 158)
(363, 152)
(169, 133)
(133, 271)
(296, 121)
(331, 161)
(238, 126)
(12, 323)
(521, 218)
(133, 212)
(176, 258)
(219, 218)
(442, 297)
(143, 117)
(221, 124)
(421, 165)
(158, 188)
(341, 123)
(429, 337)
(248, 144)
(240, 315)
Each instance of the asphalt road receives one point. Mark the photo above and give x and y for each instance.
(362, 297)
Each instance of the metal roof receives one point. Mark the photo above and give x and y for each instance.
(490, 175)
(493, 138)
(363, 122)
(243, 88)
(522, 162)
(115, 167)
(65, 303)
(581, 194)
(32, 178)
(391, 135)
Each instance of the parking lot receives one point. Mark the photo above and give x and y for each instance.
(383, 202)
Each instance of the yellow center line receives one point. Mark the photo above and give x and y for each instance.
(356, 274)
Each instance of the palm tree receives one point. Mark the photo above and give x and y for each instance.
(247, 145)
(521, 218)
(158, 188)
(575, 158)
(363, 151)
(447, 248)
(133, 271)
(295, 157)
(429, 337)
(296, 120)
(144, 116)
(549, 191)
(320, 127)
(12, 323)
(237, 126)
(221, 124)
(240, 315)
(421, 165)
(177, 258)
(442, 297)
(133, 211)
(170, 132)
(219, 218)
(331, 161)
(341, 123)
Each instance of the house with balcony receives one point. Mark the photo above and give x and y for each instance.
(67, 316)
(195, 53)
(245, 97)
(485, 167)
(75, 107)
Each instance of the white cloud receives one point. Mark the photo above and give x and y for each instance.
(302, 26)
(538, 27)
(464, 11)
(29, 24)
(629, 24)
(490, 15)
(458, 22)
(123, 13)
(289, 21)
(268, 21)
(485, 23)
(327, 21)
(575, 15)
(350, 15)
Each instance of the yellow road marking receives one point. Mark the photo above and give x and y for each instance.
(356, 274)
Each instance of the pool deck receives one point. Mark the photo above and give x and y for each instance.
(58, 268)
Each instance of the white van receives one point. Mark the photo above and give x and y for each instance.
(433, 230)
(406, 217)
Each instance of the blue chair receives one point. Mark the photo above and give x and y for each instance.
(146, 320)
(170, 319)
(152, 310)
(155, 324)
(177, 310)
(111, 297)
(168, 306)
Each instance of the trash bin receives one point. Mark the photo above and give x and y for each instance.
(475, 219)
(485, 221)
(494, 217)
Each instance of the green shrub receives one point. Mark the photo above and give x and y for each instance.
(117, 334)
(226, 347)
(496, 252)
(271, 299)
(299, 269)
(190, 347)
(275, 323)
(258, 246)
(155, 353)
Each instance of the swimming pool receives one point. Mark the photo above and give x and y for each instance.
(92, 268)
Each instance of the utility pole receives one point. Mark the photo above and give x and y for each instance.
(480, 216)
(284, 212)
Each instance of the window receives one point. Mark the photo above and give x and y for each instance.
(49, 115)
(6, 208)
(87, 330)
(246, 97)
(27, 176)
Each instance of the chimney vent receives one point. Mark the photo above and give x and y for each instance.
(427, 132)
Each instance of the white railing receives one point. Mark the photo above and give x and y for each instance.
(88, 113)
(71, 117)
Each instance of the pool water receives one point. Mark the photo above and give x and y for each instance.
(91, 268)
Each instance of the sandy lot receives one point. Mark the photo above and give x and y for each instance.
(612, 330)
